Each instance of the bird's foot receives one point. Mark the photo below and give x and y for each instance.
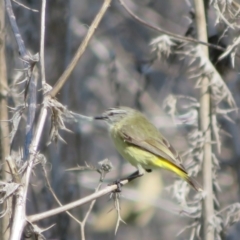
(119, 186)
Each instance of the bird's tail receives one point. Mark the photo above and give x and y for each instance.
(193, 183)
(179, 170)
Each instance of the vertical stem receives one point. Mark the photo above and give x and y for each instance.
(42, 40)
(208, 207)
(31, 111)
(4, 128)
(19, 217)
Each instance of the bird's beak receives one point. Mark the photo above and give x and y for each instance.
(100, 118)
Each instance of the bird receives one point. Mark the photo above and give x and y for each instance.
(140, 143)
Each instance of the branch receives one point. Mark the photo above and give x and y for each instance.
(29, 63)
(4, 127)
(208, 208)
(173, 35)
(28, 60)
(108, 189)
(42, 38)
(63, 79)
(31, 111)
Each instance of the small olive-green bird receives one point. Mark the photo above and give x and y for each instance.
(140, 143)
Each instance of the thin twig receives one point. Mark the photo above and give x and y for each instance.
(21, 46)
(24, 6)
(108, 189)
(105, 167)
(176, 36)
(62, 80)
(55, 197)
(116, 198)
(27, 59)
(92, 204)
(83, 222)
(42, 63)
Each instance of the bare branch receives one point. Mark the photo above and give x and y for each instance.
(31, 111)
(74, 204)
(61, 81)
(4, 127)
(24, 6)
(173, 35)
(42, 61)
(116, 198)
(208, 208)
(28, 60)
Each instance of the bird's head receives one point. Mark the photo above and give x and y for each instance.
(115, 115)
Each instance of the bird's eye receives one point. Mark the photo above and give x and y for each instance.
(111, 114)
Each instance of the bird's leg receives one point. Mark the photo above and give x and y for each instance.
(134, 175)
(129, 178)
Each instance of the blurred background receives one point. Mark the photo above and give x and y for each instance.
(121, 67)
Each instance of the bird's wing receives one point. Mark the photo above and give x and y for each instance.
(160, 147)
